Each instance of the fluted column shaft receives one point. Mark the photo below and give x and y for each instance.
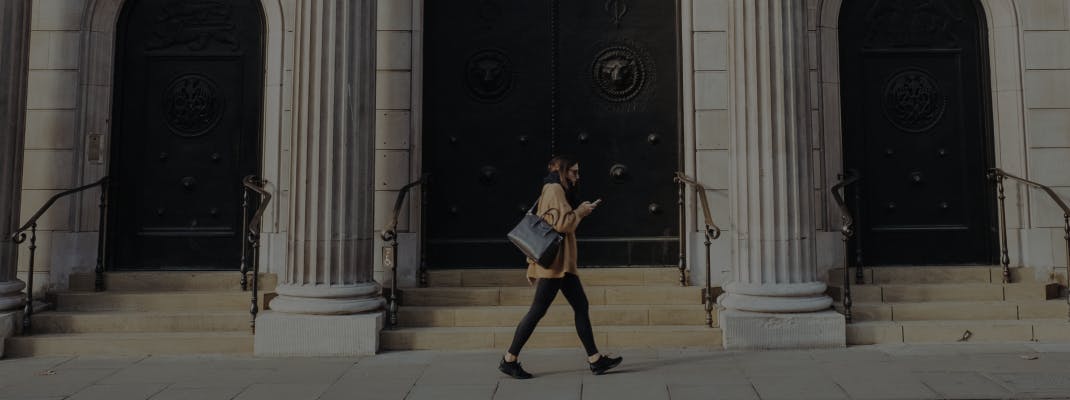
(772, 184)
(330, 270)
(14, 57)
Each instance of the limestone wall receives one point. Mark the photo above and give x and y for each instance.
(69, 108)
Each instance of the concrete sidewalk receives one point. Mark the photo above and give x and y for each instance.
(959, 371)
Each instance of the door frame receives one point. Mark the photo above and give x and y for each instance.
(114, 129)
(985, 41)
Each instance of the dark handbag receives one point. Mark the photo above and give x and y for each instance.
(536, 238)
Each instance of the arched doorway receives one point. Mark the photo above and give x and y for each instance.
(916, 115)
(185, 130)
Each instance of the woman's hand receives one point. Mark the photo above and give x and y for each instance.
(586, 209)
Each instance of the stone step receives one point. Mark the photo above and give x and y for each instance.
(882, 332)
(134, 321)
(559, 315)
(958, 310)
(638, 276)
(607, 337)
(156, 301)
(900, 293)
(120, 344)
(930, 274)
(521, 296)
(169, 281)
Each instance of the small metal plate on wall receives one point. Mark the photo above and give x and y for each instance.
(388, 257)
(94, 149)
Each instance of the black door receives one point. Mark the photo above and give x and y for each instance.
(508, 84)
(916, 112)
(189, 78)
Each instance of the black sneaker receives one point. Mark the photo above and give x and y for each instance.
(605, 364)
(514, 370)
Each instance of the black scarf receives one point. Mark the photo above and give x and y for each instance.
(571, 192)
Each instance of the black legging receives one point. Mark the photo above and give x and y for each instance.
(545, 291)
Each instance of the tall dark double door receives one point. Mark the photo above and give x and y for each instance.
(917, 127)
(186, 129)
(508, 84)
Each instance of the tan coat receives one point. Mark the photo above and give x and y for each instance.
(554, 207)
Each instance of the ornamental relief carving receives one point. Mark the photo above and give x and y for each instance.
(489, 75)
(194, 25)
(912, 23)
(192, 105)
(619, 73)
(913, 101)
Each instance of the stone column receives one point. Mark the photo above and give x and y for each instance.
(15, 58)
(776, 300)
(328, 302)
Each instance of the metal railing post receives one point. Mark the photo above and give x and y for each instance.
(1004, 258)
(102, 234)
(251, 233)
(1066, 237)
(712, 233)
(243, 267)
(390, 235)
(27, 315)
(682, 216)
(847, 231)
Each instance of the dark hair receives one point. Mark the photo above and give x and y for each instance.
(560, 164)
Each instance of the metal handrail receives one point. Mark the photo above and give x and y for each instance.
(847, 230)
(712, 232)
(19, 236)
(251, 234)
(390, 234)
(999, 175)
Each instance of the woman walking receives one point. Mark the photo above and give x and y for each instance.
(558, 204)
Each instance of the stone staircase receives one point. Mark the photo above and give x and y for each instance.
(145, 313)
(940, 304)
(480, 308)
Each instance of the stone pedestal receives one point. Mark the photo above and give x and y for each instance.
(744, 330)
(296, 335)
(328, 303)
(14, 56)
(775, 300)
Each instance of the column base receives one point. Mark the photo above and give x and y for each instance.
(744, 330)
(10, 325)
(300, 335)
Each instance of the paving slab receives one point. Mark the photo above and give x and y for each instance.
(724, 391)
(282, 391)
(213, 393)
(119, 392)
(963, 385)
(452, 392)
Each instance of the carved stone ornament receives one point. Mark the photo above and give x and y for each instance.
(619, 73)
(912, 23)
(194, 25)
(489, 75)
(616, 9)
(913, 101)
(192, 105)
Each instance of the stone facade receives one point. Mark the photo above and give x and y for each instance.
(69, 102)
